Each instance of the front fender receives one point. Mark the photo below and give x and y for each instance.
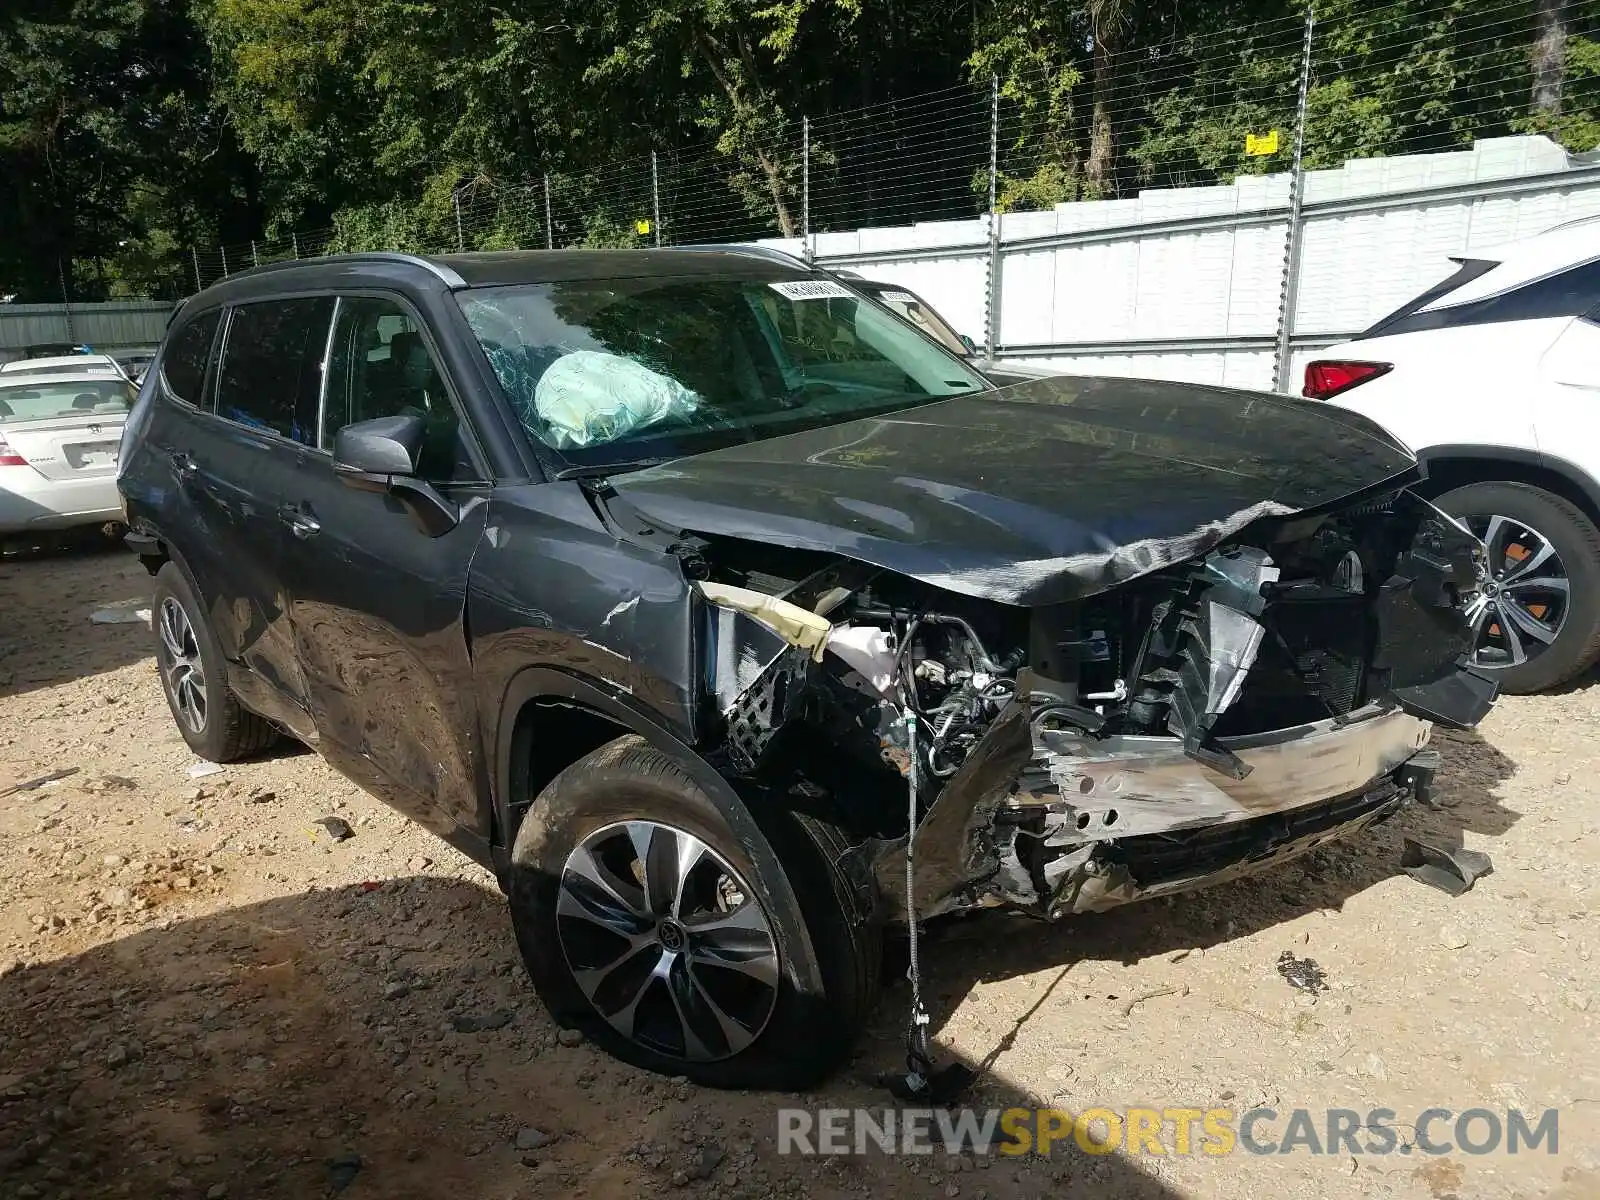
(549, 684)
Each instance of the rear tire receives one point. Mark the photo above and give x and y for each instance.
(661, 1009)
(194, 676)
(1533, 515)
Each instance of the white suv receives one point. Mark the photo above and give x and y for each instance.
(1493, 377)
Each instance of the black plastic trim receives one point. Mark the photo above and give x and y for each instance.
(549, 683)
(1468, 270)
(1568, 292)
(145, 545)
(545, 683)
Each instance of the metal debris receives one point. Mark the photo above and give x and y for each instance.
(1180, 990)
(483, 1023)
(123, 612)
(1302, 973)
(31, 785)
(1451, 871)
(342, 1171)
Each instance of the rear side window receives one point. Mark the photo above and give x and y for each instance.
(184, 365)
(271, 373)
(1567, 293)
(914, 309)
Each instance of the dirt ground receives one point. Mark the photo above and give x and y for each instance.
(203, 995)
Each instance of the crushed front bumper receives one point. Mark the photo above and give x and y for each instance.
(1109, 874)
(1122, 786)
(1087, 824)
(1132, 817)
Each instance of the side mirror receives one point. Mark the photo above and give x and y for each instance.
(380, 455)
(381, 446)
(972, 346)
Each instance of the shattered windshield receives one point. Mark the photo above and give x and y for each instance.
(621, 370)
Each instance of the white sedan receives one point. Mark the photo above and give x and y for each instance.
(58, 448)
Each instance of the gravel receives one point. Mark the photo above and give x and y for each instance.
(210, 994)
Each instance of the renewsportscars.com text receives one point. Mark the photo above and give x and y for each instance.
(1165, 1130)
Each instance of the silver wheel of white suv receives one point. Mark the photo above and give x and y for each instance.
(1521, 609)
(1536, 615)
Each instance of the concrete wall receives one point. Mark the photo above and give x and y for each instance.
(1186, 283)
(114, 325)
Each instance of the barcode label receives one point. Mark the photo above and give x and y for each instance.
(897, 297)
(812, 289)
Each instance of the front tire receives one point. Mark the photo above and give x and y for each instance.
(672, 944)
(1537, 620)
(194, 676)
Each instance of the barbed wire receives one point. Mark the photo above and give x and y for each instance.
(1200, 107)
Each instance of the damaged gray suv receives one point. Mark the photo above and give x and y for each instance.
(732, 622)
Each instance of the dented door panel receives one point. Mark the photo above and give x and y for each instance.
(552, 587)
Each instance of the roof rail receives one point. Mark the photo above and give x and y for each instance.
(1591, 218)
(445, 274)
(748, 249)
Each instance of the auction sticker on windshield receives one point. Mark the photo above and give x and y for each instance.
(812, 289)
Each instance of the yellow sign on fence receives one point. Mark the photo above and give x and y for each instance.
(1257, 144)
(642, 228)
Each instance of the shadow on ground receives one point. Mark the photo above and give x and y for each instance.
(991, 946)
(47, 596)
(381, 1040)
(313, 1045)
(1581, 682)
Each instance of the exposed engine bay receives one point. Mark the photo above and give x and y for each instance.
(1198, 721)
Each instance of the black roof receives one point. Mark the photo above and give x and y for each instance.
(552, 266)
(510, 267)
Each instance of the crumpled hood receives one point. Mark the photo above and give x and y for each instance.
(1035, 494)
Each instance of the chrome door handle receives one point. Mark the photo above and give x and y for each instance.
(301, 523)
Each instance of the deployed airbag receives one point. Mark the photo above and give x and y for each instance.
(588, 398)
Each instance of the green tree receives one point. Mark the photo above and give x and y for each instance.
(134, 130)
(112, 156)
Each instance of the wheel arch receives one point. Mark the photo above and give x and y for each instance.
(550, 718)
(593, 714)
(541, 735)
(541, 703)
(1451, 467)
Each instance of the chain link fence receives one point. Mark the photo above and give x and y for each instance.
(1204, 112)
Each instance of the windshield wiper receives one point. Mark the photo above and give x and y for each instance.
(601, 470)
(800, 392)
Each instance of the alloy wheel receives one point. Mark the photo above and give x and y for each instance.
(667, 941)
(181, 669)
(1521, 605)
